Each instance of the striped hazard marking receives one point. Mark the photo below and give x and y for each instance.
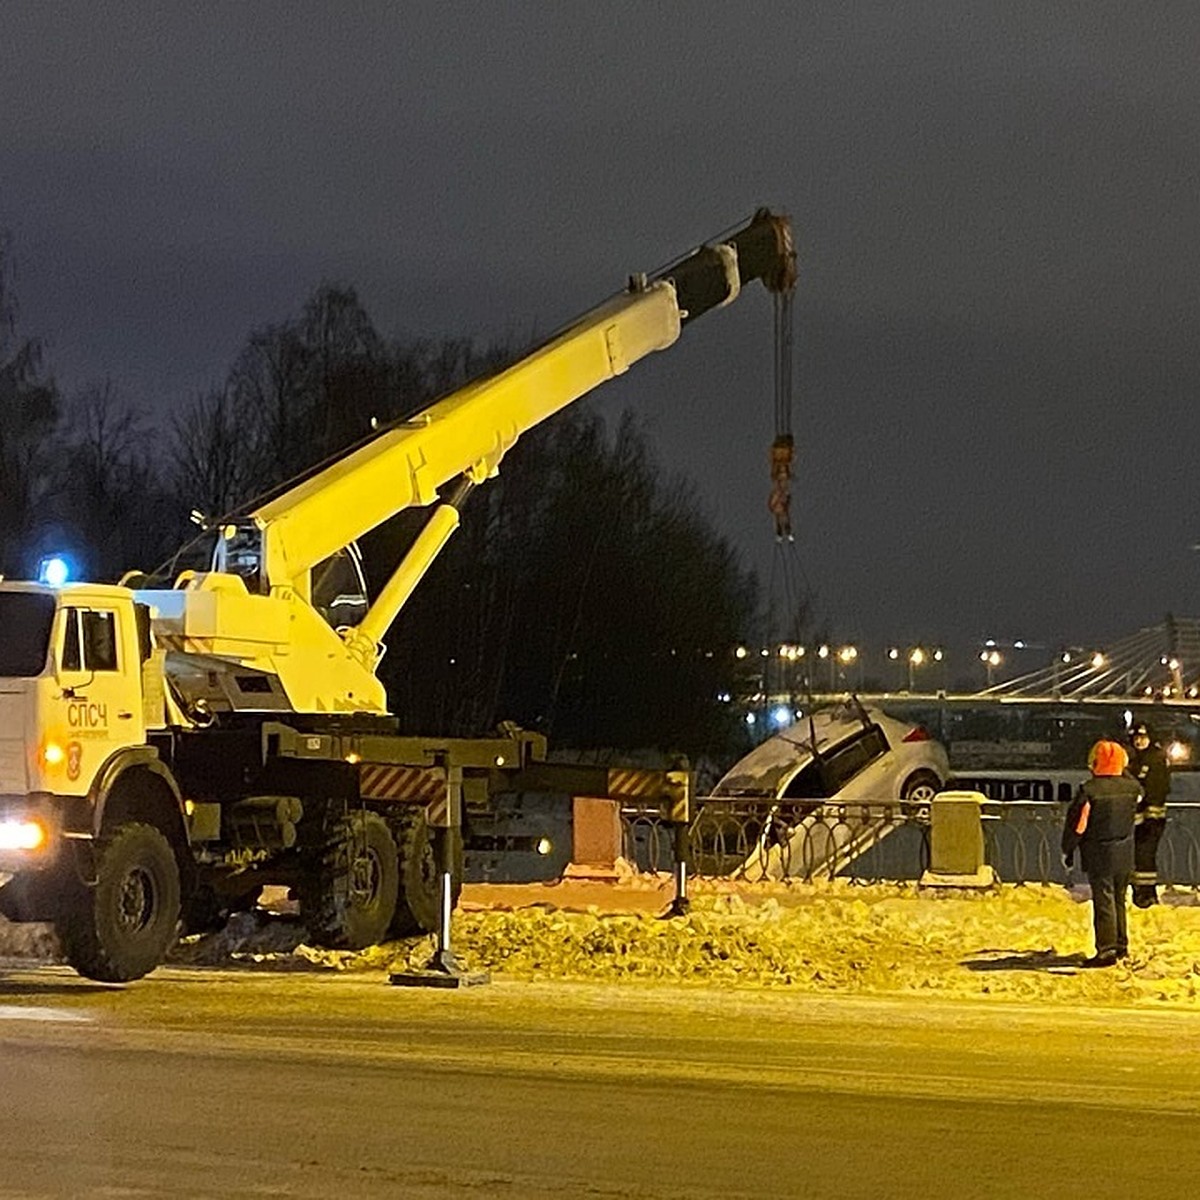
(384, 781)
(624, 781)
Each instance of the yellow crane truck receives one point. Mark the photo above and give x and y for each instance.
(165, 753)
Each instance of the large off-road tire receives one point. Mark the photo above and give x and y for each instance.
(122, 927)
(419, 904)
(349, 885)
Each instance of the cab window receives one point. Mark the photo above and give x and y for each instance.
(89, 640)
(72, 655)
(25, 623)
(99, 640)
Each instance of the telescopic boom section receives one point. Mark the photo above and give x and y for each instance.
(464, 436)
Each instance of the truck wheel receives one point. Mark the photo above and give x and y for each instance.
(348, 891)
(122, 927)
(418, 907)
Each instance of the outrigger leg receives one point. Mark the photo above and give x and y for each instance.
(679, 816)
(442, 970)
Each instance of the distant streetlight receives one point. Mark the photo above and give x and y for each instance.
(916, 658)
(846, 656)
(991, 660)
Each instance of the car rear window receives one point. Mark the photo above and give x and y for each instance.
(25, 621)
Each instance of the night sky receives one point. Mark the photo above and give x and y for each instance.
(995, 209)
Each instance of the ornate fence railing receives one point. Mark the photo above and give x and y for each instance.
(875, 841)
(1022, 842)
(802, 840)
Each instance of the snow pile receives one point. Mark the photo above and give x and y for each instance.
(1014, 942)
(248, 937)
(1019, 942)
(28, 941)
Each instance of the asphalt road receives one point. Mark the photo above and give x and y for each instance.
(219, 1084)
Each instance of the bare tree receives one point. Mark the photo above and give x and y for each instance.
(586, 595)
(28, 415)
(107, 491)
(211, 465)
(263, 406)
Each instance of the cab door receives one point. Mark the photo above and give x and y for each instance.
(99, 706)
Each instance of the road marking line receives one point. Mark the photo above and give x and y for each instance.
(16, 1012)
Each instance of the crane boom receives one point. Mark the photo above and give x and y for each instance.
(431, 460)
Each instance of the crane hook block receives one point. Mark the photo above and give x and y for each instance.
(779, 502)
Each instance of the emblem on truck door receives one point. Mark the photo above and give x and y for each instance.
(74, 759)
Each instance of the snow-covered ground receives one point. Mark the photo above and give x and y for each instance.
(1015, 943)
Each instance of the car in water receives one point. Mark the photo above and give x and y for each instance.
(808, 800)
(844, 753)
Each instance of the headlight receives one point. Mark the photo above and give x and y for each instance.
(22, 835)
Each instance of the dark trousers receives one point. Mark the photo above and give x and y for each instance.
(1146, 837)
(1108, 912)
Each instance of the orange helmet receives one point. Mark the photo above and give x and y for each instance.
(1107, 758)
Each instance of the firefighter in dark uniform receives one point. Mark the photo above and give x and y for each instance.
(1148, 765)
(1099, 824)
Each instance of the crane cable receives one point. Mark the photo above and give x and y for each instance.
(788, 590)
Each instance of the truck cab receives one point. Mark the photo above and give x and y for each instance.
(71, 695)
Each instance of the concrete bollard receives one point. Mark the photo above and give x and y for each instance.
(956, 843)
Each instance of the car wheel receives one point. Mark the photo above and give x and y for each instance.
(920, 787)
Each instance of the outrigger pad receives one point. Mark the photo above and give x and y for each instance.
(439, 979)
(442, 971)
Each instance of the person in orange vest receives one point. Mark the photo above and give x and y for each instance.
(1099, 824)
